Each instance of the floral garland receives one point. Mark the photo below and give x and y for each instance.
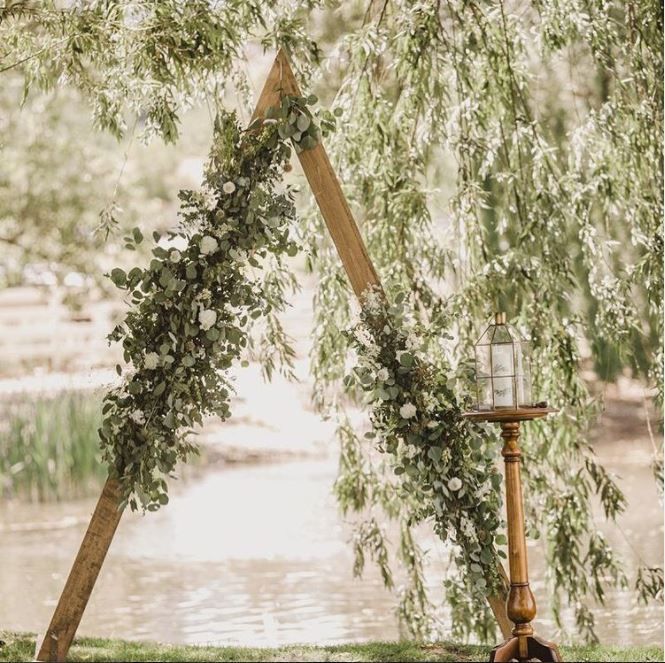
(441, 459)
(192, 307)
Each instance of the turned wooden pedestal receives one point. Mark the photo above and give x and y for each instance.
(524, 645)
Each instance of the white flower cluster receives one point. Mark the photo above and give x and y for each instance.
(208, 245)
(238, 254)
(454, 484)
(371, 349)
(138, 417)
(207, 318)
(468, 529)
(484, 490)
(407, 411)
(209, 198)
(412, 342)
(373, 300)
(151, 361)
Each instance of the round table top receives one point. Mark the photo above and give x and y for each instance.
(509, 414)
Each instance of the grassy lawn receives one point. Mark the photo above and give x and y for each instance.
(20, 647)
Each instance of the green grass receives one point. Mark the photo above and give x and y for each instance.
(20, 647)
(49, 448)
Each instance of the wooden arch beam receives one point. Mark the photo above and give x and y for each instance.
(324, 184)
(344, 232)
(82, 578)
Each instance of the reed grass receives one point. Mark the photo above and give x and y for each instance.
(49, 447)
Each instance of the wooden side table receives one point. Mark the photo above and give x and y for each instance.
(521, 605)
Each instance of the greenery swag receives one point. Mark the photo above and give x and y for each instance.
(193, 305)
(447, 471)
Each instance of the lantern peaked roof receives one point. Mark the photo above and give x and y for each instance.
(498, 332)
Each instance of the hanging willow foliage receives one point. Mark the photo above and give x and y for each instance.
(550, 115)
(558, 193)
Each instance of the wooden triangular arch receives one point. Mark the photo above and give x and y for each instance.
(361, 273)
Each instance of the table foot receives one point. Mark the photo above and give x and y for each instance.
(525, 648)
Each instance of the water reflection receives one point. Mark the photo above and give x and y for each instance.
(252, 555)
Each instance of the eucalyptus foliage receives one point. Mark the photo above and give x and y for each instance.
(192, 306)
(448, 473)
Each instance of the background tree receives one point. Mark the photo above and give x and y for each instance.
(543, 221)
(53, 186)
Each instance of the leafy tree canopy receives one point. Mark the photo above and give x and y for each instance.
(549, 115)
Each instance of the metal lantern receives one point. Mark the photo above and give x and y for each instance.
(503, 381)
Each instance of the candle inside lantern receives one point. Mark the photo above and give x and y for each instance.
(502, 370)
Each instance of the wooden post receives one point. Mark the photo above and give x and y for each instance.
(360, 270)
(81, 580)
(523, 645)
(521, 602)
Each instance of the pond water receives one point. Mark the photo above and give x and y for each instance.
(258, 555)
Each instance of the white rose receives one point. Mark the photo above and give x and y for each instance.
(407, 411)
(207, 318)
(137, 416)
(229, 187)
(151, 361)
(455, 484)
(208, 245)
(175, 255)
(383, 374)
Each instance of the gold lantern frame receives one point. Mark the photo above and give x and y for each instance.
(493, 379)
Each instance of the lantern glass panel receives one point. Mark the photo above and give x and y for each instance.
(502, 334)
(483, 363)
(521, 358)
(524, 391)
(486, 338)
(485, 400)
(503, 359)
(504, 392)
